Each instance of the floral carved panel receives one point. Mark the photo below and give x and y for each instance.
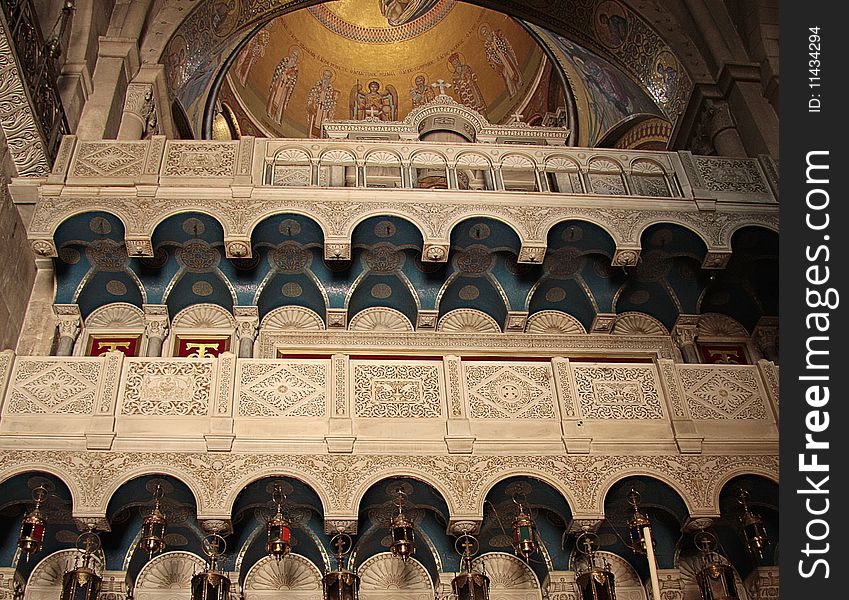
(272, 389)
(618, 392)
(168, 388)
(45, 386)
(722, 392)
(199, 159)
(398, 390)
(109, 159)
(516, 391)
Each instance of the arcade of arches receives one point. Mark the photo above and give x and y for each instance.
(482, 253)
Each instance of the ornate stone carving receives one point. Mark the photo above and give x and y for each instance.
(167, 576)
(199, 159)
(204, 316)
(722, 392)
(603, 323)
(383, 576)
(292, 318)
(337, 251)
(716, 260)
(141, 247)
(531, 254)
(118, 315)
(109, 159)
(740, 175)
(397, 391)
(296, 576)
(44, 248)
(606, 392)
(509, 577)
(517, 391)
(337, 318)
(271, 389)
(467, 320)
(626, 257)
(379, 318)
(554, 322)
(717, 325)
(238, 249)
(426, 320)
(54, 386)
(435, 253)
(156, 321)
(637, 323)
(167, 388)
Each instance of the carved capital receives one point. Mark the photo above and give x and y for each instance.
(716, 260)
(219, 526)
(139, 247)
(239, 249)
(337, 318)
(247, 321)
(45, 248)
(435, 253)
(95, 523)
(139, 99)
(334, 526)
(464, 526)
(603, 323)
(426, 320)
(580, 524)
(533, 255)
(695, 524)
(68, 320)
(156, 321)
(626, 257)
(337, 251)
(684, 335)
(516, 321)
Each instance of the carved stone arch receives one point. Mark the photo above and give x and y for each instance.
(604, 164)
(108, 487)
(385, 577)
(473, 160)
(719, 325)
(380, 318)
(117, 315)
(527, 471)
(690, 564)
(203, 316)
(168, 576)
(295, 575)
(561, 164)
(646, 166)
(60, 473)
(594, 218)
(420, 113)
(721, 482)
(769, 222)
(383, 158)
(337, 157)
(629, 586)
(303, 212)
(305, 474)
(672, 220)
(554, 322)
(56, 218)
(291, 318)
(45, 581)
(604, 486)
(467, 320)
(219, 217)
(638, 323)
(510, 578)
(428, 159)
(518, 162)
(405, 471)
(291, 156)
(408, 216)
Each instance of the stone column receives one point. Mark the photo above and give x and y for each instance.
(247, 325)
(155, 327)
(69, 322)
(722, 129)
(139, 117)
(685, 338)
(766, 338)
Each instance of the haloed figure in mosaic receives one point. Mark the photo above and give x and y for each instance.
(502, 58)
(283, 85)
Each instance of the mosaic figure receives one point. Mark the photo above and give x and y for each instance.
(611, 24)
(321, 103)
(282, 85)
(502, 58)
(374, 103)
(466, 84)
(400, 12)
(421, 93)
(250, 54)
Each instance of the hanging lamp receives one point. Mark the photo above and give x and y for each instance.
(341, 584)
(402, 530)
(152, 538)
(84, 581)
(468, 584)
(524, 531)
(754, 530)
(715, 577)
(595, 581)
(211, 583)
(278, 531)
(31, 538)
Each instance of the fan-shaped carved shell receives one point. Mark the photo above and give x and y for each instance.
(554, 322)
(516, 161)
(604, 165)
(637, 323)
(294, 573)
(169, 571)
(506, 572)
(718, 325)
(382, 158)
(337, 157)
(379, 318)
(647, 167)
(292, 318)
(292, 156)
(204, 316)
(474, 160)
(428, 159)
(560, 164)
(386, 573)
(45, 583)
(118, 315)
(467, 320)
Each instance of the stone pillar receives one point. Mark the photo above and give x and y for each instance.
(155, 327)
(139, 117)
(69, 322)
(722, 129)
(247, 325)
(766, 338)
(685, 338)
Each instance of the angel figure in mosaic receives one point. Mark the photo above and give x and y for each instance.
(374, 103)
(282, 85)
(502, 58)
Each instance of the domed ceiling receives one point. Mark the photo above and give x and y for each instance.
(354, 59)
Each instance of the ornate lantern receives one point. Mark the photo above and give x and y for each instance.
(341, 584)
(32, 529)
(402, 532)
(715, 578)
(595, 581)
(468, 584)
(524, 531)
(754, 531)
(278, 531)
(152, 538)
(637, 524)
(83, 582)
(211, 583)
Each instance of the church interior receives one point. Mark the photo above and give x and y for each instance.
(389, 299)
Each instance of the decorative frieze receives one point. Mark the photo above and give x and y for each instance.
(509, 391)
(722, 392)
(293, 389)
(617, 392)
(397, 391)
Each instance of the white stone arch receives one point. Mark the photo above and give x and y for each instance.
(337, 156)
(116, 316)
(647, 166)
(108, 490)
(293, 210)
(514, 225)
(737, 472)
(627, 581)
(518, 161)
(602, 163)
(405, 471)
(645, 471)
(717, 325)
(561, 164)
(56, 218)
(474, 160)
(182, 210)
(467, 320)
(590, 217)
(428, 158)
(769, 225)
(295, 575)
(554, 322)
(528, 471)
(45, 581)
(291, 155)
(386, 577)
(291, 318)
(381, 157)
(510, 578)
(203, 316)
(386, 211)
(168, 576)
(671, 220)
(290, 167)
(303, 475)
(51, 469)
(638, 323)
(380, 318)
